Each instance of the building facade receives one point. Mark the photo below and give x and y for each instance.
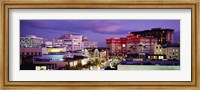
(58, 62)
(48, 43)
(27, 54)
(53, 50)
(103, 54)
(90, 44)
(172, 51)
(164, 36)
(158, 49)
(146, 44)
(72, 42)
(31, 41)
(116, 45)
(131, 44)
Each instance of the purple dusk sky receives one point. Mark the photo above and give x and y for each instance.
(95, 30)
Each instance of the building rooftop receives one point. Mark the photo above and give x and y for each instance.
(154, 29)
(32, 36)
(171, 45)
(74, 58)
(169, 62)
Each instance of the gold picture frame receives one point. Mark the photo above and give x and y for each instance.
(4, 45)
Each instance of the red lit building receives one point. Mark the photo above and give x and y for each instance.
(117, 45)
(131, 44)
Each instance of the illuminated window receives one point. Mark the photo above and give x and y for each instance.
(160, 57)
(71, 64)
(40, 67)
(123, 45)
(154, 57)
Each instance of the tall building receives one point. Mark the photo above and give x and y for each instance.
(31, 41)
(72, 42)
(164, 36)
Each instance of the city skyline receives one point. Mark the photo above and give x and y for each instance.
(95, 30)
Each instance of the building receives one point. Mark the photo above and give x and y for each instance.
(53, 50)
(27, 54)
(84, 39)
(72, 42)
(103, 54)
(85, 52)
(172, 51)
(158, 49)
(49, 61)
(96, 53)
(58, 61)
(145, 44)
(174, 65)
(48, 43)
(57, 43)
(131, 44)
(117, 45)
(31, 41)
(145, 56)
(156, 56)
(90, 44)
(164, 36)
(100, 53)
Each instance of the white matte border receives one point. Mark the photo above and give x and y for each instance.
(184, 15)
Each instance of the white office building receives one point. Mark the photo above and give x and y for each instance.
(72, 42)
